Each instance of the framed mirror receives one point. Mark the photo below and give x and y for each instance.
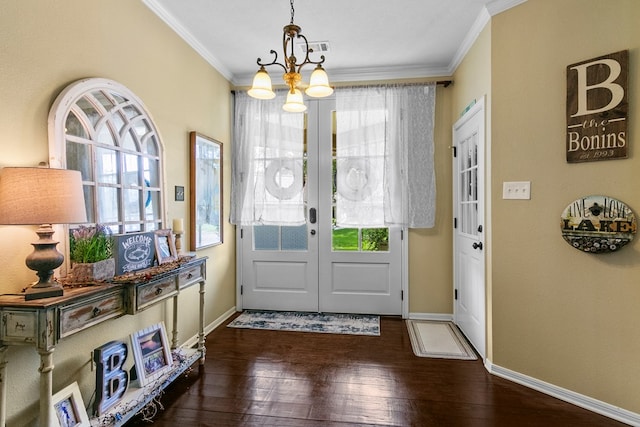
(206, 191)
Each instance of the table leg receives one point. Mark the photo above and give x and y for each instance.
(174, 333)
(3, 385)
(46, 387)
(201, 347)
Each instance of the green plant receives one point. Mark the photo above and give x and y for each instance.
(90, 244)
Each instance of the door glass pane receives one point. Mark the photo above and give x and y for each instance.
(294, 238)
(375, 239)
(344, 239)
(266, 237)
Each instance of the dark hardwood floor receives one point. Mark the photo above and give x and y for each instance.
(268, 378)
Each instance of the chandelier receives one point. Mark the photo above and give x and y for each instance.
(318, 83)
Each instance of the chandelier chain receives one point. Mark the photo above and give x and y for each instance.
(292, 11)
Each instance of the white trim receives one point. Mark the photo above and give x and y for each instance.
(442, 317)
(572, 397)
(210, 327)
(192, 41)
(404, 272)
(498, 6)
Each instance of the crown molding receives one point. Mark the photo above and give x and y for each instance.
(168, 19)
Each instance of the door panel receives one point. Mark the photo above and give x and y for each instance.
(469, 258)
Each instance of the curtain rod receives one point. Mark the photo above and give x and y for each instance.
(445, 83)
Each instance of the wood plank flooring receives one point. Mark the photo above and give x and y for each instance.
(298, 379)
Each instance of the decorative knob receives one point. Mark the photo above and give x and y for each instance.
(477, 245)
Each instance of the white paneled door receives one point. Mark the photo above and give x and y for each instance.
(469, 231)
(317, 266)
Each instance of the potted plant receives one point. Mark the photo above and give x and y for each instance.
(91, 253)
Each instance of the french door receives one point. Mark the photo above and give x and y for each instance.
(317, 266)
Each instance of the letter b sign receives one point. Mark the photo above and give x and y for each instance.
(111, 379)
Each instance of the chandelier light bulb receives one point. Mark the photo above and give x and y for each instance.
(261, 88)
(319, 84)
(294, 102)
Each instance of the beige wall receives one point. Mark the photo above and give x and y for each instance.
(47, 45)
(472, 82)
(560, 315)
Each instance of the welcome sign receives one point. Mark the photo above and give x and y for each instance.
(597, 108)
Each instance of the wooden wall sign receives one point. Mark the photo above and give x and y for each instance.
(598, 224)
(597, 108)
(133, 251)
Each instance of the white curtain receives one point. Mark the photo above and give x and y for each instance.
(267, 164)
(384, 156)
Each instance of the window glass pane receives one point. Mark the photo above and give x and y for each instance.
(108, 204)
(106, 166)
(103, 100)
(89, 202)
(344, 239)
(128, 141)
(74, 127)
(132, 228)
(294, 238)
(266, 237)
(118, 121)
(130, 170)
(130, 111)
(151, 146)
(104, 135)
(89, 111)
(152, 204)
(141, 128)
(375, 239)
(132, 204)
(79, 159)
(151, 174)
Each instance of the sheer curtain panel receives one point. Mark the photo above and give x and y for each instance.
(268, 163)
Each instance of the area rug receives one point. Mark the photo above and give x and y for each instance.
(438, 339)
(352, 324)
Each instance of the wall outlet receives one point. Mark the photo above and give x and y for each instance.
(516, 190)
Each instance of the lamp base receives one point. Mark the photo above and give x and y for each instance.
(48, 292)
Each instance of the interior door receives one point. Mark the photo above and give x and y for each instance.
(317, 266)
(469, 245)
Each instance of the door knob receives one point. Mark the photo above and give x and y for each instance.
(312, 215)
(313, 232)
(477, 245)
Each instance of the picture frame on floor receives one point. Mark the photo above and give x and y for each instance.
(68, 408)
(151, 353)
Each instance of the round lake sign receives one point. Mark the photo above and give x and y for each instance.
(598, 224)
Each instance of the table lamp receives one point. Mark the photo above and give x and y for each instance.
(42, 196)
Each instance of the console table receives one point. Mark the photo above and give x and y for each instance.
(44, 322)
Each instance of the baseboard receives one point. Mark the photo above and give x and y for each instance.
(210, 327)
(572, 397)
(431, 316)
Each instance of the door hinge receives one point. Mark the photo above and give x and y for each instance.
(454, 150)
(241, 233)
(401, 295)
(241, 289)
(401, 234)
(455, 222)
(455, 294)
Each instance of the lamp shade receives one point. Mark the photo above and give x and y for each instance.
(319, 84)
(261, 88)
(34, 196)
(294, 102)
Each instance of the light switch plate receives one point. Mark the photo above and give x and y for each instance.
(516, 190)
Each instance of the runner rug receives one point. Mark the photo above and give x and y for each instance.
(439, 339)
(353, 324)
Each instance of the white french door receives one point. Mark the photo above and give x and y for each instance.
(317, 266)
(468, 196)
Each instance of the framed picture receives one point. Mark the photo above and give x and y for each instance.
(165, 246)
(206, 191)
(68, 408)
(151, 353)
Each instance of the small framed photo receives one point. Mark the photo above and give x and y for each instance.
(165, 246)
(68, 408)
(151, 353)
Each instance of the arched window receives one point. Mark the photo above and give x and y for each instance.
(100, 128)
